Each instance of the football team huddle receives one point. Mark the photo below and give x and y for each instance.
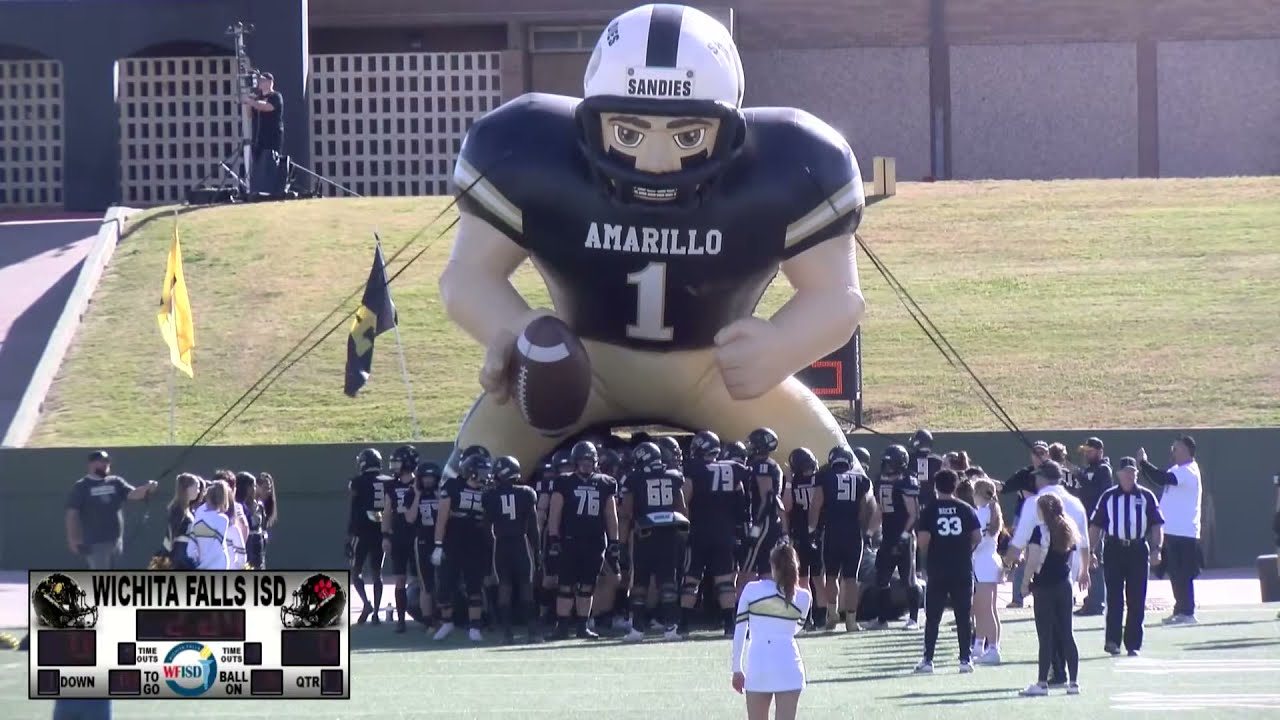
(614, 528)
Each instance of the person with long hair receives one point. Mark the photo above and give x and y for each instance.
(988, 573)
(208, 548)
(1050, 584)
(178, 518)
(255, 518)
(765, 658)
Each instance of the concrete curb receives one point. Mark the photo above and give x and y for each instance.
(104, 246)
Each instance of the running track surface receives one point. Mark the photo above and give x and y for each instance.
(40, 259)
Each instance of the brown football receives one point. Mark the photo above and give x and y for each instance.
(550, 374)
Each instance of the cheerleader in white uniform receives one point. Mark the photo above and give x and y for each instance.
(766, 660)
(207, 548)
(988, 573)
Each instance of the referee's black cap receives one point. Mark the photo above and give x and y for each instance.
(99, 456)
(1127, 463)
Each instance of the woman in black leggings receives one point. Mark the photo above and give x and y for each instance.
(1051, 589)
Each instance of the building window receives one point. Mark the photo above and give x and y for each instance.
(564, 39)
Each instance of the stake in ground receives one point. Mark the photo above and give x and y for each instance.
(1067, 298)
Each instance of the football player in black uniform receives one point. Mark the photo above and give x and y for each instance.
(462, 544)
(717, 500)
(398, 525)
(512, 512)
(924, 464)
(768, 522)
(582, 533)
(672, 455)
(427, 499)
(898, 498)
(841, 512)
(949, 532)
(653, 505)
(364, 529)
(657, 211)
(561, 467)
(803, 467)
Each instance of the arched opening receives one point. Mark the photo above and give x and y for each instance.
(183, 48)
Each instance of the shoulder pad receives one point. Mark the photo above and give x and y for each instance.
(818, 175)
(508, 155)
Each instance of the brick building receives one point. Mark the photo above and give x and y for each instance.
(381, 91)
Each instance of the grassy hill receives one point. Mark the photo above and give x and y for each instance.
(1080, 304)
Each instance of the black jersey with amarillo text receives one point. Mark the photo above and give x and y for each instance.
(794, 184)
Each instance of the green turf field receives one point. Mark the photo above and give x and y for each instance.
(1072, 290)
(1224, 668)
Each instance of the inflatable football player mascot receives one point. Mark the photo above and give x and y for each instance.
(657, 211)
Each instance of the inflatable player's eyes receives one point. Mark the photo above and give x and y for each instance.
(690, 139)
(627, 137)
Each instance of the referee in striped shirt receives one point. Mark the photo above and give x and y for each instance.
(1129, 516)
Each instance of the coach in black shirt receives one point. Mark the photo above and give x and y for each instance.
(95, 523)
(268, 132)
(1128, 515)
(1091, 481)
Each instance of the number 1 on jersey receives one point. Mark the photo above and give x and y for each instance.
(651, 303)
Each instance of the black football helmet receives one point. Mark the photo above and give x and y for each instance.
(428, 469)
(563, 462)
(610, 462)
(705, 445)
(840, 458)
(802, 462)
(761, 442)
(922, 440)
(648, 456)
(585, 458)
(864, 457)
(60, 603)
(506, 470)
(671, 453)
(734, 451)
(318, 603)
(894, 460)
(369, 459)
(478, 469)
(403, 459)
(475, 450)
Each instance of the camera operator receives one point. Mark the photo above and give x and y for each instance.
(94, 521)
(268, 132)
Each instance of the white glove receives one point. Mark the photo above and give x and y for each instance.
(754, 532)
(436, 556)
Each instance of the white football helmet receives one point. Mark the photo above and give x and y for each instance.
(665, 60)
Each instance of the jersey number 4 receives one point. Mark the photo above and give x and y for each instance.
(509, 506)
(588, 501)
(950, 526)
(651, 304)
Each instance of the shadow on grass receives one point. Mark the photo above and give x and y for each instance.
(1236, 644)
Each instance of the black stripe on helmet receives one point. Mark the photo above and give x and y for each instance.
(664, 36)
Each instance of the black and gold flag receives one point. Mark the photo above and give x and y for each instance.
(377, 314)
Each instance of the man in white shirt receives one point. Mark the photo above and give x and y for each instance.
(1048, 477)
(1180, 504)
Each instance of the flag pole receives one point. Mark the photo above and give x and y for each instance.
(173, 402)
(404, 371)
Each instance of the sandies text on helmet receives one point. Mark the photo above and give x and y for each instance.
(653, 241)
(649, 87)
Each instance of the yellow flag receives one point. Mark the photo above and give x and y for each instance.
(175, 310)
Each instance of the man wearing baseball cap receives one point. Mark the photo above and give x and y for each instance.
(1048, 476)
(95, 521)
(1094, 479)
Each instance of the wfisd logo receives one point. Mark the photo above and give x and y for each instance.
(189, 669)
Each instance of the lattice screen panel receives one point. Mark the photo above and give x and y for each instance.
(392, 124)
(30, 133)
(179, 118)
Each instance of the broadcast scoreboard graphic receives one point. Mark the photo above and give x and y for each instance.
(173, 634)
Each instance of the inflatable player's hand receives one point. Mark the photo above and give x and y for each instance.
(750, 357)
(493, 374)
